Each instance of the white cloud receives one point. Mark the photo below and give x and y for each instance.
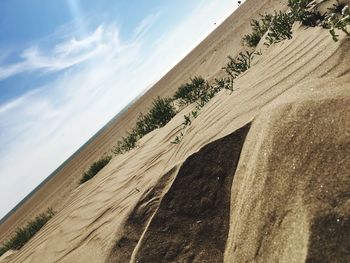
(145, 25)
(62, 56)
(41, 129)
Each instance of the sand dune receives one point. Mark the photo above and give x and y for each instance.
(290, 196)
(207, 59)
(261, 175)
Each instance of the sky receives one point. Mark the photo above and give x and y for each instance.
(67, 67)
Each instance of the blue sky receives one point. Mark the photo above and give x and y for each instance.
(67, 67)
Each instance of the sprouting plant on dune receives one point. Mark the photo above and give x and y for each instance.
(279, 24)
(259, 28)
(258, 53)
(187, 120)
(200, 103)
(177, 139)
(197, 90)
(239, 64)
(194, 114)
(280, 28)
(302, 11)
(3, 250)
(95, 168)
(144, 124)
(161, 112)
(337, 8)
(225, 83)
(338, 21)
(206, 94)
(190, 92)
(298, 6)
(23, 235)
(126, 143)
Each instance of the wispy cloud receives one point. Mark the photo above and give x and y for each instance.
(60, 57)
(42, 128)
(145, 25)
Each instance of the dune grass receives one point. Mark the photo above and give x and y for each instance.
(198, 91)
(95, 168)
(191, 91)
(301, 11)
(280, 28)
(275, 27)
(239, 64)
(337, 19)
(225, 83)
(24, 234)
(259, 28)
(161, 112)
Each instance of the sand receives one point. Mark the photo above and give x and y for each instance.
(261, 175)
(206, 59)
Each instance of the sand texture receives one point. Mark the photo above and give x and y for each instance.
(206, 59)
(261, 175)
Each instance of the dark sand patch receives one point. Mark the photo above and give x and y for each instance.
(192, 222)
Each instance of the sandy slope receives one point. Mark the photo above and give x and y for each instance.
(285, 198)
(206, 59)
(291, 193)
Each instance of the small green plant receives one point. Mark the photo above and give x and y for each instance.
(258, 53)
(225, 83)
(187, 120)
(259, 28)
(177, 139)
(301, 11)
(339, 21)
(3, 250)
(161, 112)
(194, 114)
(23, 235)
(144, 125)
(205, 99)
(192, 91)
(280, 28)
(95, 168)
(197, 90)
(337, 8)
(206, 94)
(239, 64)
(129, 141)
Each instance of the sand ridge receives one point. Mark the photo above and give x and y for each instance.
(290, 196)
